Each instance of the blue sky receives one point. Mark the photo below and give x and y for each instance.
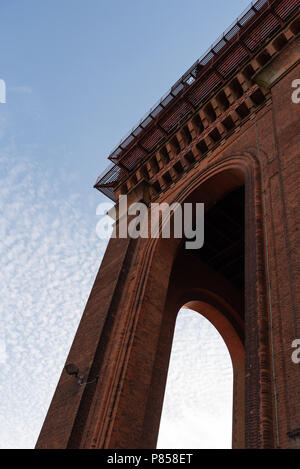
(79, 75)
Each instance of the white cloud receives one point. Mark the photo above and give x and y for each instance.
(49, 258)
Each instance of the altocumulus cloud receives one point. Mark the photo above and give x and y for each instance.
(49, 258)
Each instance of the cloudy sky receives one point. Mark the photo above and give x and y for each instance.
(198, 401)
(78, 76)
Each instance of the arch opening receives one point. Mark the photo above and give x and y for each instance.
(211, 281)
(197, 410)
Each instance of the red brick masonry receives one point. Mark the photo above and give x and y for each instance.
(247, 133)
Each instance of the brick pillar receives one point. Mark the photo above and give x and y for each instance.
(67, 409)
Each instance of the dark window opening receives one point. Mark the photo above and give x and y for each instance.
(248, 72)
(202, 147)
(178, 167)
(187, 135)
(228, 123)
(145, 173)
(258, 97)
(236, 88)
(243, 111)
(164, 155)
(223, 101)
(280, 42)
(154, 165)
(210, 113)
(189, 157)
(263, 58)
(295, 27)
(167, 178)
(215, 135)
(175, 145)
(198, 124)
(156, 186)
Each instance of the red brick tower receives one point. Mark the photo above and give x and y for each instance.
(227, 134)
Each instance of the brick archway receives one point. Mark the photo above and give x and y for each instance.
(218, 314)
(221, 304)
(236, 349)
(132, 345)
(196, 286)
(223, 176)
